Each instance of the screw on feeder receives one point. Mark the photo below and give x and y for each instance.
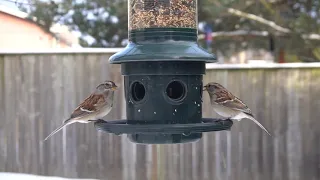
(161, 66)
(188, 133)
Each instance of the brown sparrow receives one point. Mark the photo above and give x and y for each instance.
(94, 107)
(227, 105)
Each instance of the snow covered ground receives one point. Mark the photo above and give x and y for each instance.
(18, 176)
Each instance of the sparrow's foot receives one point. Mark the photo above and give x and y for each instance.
(222, 119)
(97, 121)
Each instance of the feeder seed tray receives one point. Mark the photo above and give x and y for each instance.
(163, 133)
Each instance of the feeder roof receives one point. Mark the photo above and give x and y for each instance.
(166, 51)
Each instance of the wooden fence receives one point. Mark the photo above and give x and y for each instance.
(39, 90)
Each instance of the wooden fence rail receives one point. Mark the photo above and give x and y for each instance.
(38, 91)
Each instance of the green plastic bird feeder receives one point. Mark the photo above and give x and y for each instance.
(163, 68)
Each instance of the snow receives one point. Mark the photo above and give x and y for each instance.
(18, 176)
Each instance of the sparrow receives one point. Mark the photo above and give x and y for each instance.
(94, 107)
(227, 105)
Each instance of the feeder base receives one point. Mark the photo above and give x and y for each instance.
(159, 138)
(163, 133)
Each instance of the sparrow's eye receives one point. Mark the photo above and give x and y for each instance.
(107, 86)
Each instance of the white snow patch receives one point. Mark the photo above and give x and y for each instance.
(18, 176)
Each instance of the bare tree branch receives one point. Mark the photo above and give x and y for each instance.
(311, 36)
(261, 20)
(272, 24)
(253, 33)
(236, 33)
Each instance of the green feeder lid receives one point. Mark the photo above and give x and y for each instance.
(163, 51)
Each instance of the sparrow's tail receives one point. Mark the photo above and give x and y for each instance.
(260, 125)
(65, 123)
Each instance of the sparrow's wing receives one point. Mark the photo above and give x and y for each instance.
(90, 105)
(227, 99)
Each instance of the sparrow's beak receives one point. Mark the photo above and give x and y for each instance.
(204, 88)
(114, 88)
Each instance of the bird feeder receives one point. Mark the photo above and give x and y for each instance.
(163, 68)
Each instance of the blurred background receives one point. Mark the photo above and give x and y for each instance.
(53, 54)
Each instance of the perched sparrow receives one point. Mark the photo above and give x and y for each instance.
(228, 105)
(94, 107)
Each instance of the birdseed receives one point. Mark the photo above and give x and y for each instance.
(162, 13)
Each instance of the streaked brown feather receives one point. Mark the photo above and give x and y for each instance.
(91, 103)
(225, 98)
